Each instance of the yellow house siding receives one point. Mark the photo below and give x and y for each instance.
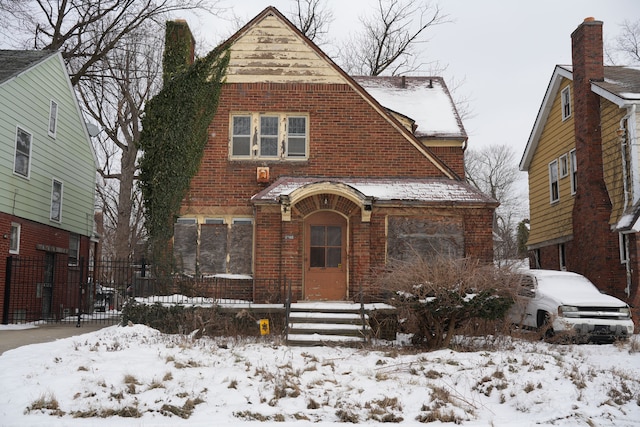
(550, 221)
(271, 52)
(612, 157)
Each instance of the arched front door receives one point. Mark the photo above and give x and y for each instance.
(325, 257)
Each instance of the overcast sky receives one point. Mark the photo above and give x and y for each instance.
(504, 51)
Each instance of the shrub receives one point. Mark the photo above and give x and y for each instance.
(441, 297)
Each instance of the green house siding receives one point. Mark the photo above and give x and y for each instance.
(25, 102)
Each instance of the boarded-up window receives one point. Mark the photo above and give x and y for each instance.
(185, 241)
(213, 248)
(411, 236)
(240, 245)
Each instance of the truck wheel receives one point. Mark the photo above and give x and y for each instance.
(544, 325)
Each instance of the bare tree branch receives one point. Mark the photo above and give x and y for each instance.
(312, 18)
(625, 49)
(388, 39)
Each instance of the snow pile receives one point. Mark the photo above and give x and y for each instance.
(106, 377)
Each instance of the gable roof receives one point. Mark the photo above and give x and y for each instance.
(425, 100)
(344, 78)
(14, 62)
(621, 86)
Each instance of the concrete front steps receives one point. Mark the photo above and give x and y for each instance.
(327, 323)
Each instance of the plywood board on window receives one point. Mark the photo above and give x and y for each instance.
(411, 236)
(185, 240)
(213, 248)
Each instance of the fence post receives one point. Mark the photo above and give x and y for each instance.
(7, 291)
(80, 293)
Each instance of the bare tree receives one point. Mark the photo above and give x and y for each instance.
(493, 170)
(388, 40)
(86, 31)
(312, 18)
(115, 99)
(625, 49)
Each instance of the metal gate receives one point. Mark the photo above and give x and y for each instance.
(50, 289)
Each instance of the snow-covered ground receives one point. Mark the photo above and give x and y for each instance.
(106, 377)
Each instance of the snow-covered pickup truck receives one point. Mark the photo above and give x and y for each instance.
(568, 304)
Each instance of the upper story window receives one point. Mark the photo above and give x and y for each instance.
(14, 238)
(566, 103)
(56, 201)
(564, 166)
(22, 159)
(186, 221)
(573, 164)
(53, 119)
(269, 136)
(554, 190)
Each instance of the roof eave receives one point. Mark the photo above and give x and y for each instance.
(543, 113)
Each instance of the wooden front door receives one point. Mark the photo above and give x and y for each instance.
(325, 257)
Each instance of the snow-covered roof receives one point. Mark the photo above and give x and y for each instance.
(425, 100)
(426, 190)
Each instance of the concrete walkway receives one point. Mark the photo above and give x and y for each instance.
(14, 338)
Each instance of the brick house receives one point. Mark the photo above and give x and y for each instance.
(584, 173)
(47, 185)
(321, 177)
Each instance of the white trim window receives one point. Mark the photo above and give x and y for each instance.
(554, 187)
(269, 136)
(14, 238)
(564, 166)
(623, 246)
(562, 256)
(573, 164)
(22, 157)
(566, 103)
(53, 119)
(56, 200)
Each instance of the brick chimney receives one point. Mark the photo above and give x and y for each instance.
(593, 240)
(179, 48)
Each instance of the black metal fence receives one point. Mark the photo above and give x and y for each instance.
(49, 289)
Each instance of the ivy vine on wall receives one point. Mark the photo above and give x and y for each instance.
(173, 139)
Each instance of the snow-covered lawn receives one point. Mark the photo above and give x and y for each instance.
(106, 377)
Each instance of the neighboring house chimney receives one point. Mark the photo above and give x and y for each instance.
(593, 241)
(179, 48)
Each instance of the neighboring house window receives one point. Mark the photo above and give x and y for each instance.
(623, 240)
(74, 249)
(562, 257)
(554, 189)
(22, 159)
(537, 258)
(574, 171)
(56, 200)
(269, 136)
(566, 103)
(53, 119)
(14, 238)
(564, 166)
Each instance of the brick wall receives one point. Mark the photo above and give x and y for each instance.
(595, 248)
(339, 122)
(35, 238)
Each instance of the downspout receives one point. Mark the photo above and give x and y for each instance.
(633, 145)
(629, 140)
